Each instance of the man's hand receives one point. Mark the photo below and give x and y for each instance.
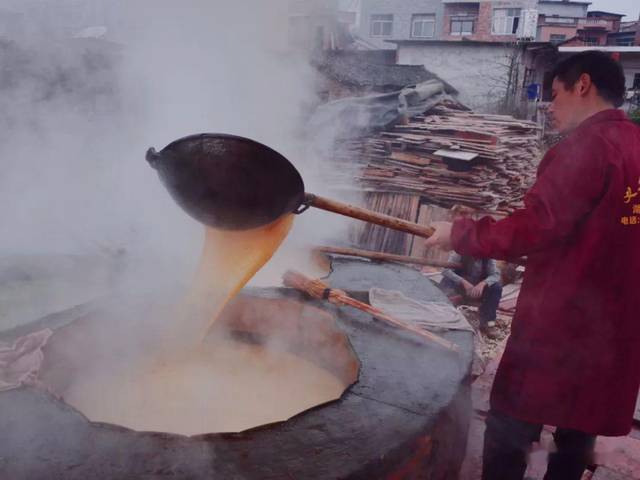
(441, 237)
(468, 287)
(476, 292)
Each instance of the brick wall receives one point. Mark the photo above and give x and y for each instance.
(458, 9)
(485, 21)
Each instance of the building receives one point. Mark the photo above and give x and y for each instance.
(497, 81)
(539, 63)
(627, 36)
(319, 25)
(360, 73)
(497, 21)
(559, 20)
(595, 29)
(383, 20)
(628, 56)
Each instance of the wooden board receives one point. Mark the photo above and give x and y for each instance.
(427, 215)
(380, 239)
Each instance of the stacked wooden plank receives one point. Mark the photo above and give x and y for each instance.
(402, 160)
(382, 239)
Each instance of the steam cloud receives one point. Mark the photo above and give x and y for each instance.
(79, 113)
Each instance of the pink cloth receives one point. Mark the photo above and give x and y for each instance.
(20, 362)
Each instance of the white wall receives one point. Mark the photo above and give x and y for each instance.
(631, 67)
(479, 72)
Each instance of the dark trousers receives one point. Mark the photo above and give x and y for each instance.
(491, 296)
(507, 442)
(489, 301)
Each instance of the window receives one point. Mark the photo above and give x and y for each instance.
(462, 25)
(423, 26)
(591, 41)
(555, 38)
(506, 21)
(381, 25)
(636, 82)
(626, 40)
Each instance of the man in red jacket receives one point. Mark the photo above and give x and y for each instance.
(573, 357)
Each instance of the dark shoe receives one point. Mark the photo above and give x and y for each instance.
(489, 330)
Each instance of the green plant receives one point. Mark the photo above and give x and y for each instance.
(634, 115)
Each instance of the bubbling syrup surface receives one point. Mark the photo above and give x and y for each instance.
(227, 387)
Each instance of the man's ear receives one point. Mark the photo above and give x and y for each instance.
(583, 85)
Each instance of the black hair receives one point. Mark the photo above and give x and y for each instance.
(606, 74)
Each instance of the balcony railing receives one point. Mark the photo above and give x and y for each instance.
(595, 23)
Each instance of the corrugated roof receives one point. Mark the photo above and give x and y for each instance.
(356, 70)
(608, 48)
(557, 2)
(465, 42)
(591, 13)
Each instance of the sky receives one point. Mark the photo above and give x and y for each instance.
(631, 8)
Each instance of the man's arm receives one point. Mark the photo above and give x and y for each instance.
(565, 192)
(451, 275)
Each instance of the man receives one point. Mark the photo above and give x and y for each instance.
(573, 357)
(477, 279)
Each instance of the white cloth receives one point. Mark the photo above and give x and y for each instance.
(20, 362)
(434, 316)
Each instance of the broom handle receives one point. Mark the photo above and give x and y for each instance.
(356, 252)
(367, 215)
(317, 288)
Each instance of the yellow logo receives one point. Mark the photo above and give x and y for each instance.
(630, 195)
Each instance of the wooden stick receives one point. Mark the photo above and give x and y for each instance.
(356, 252)
(367, 215)
(388, 257)
(320, 290)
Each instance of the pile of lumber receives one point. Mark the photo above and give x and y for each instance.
(403, 159)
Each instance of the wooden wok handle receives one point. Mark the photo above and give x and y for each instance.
(367, 215)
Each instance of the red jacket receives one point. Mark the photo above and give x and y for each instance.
(573, 357)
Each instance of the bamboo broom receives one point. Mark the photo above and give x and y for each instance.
(318, 289)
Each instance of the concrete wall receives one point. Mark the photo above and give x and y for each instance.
(481, 87)
(402, 11)
(545, 32)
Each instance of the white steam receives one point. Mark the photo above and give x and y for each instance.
(80, 113)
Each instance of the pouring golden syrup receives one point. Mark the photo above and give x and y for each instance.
(229, 260)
